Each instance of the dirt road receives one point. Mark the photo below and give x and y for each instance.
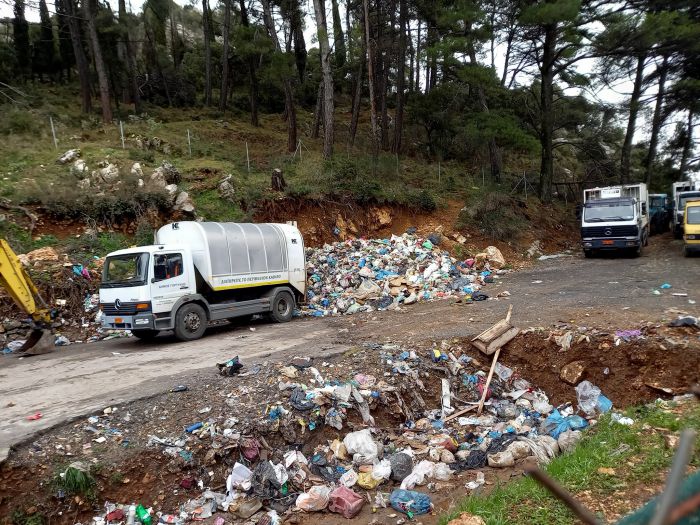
(614, 292)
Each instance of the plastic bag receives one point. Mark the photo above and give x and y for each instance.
(555, 424)
(362, 446)
(410, 502)
(503, 371)
(480, 480)
(540, 402)
(349, 478)
(240, 478)
(264, 481)
(344, 501)
(401, 465)
(442, 472)
(567, 440)
(382, 470)
(424, 469)
(587, 395)
(315, 500)
(367, 481)
(367, 290)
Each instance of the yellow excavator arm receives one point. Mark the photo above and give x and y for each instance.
(16, 282)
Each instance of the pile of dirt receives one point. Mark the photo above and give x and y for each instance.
(660, 364)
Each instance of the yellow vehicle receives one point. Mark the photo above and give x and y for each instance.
(691, 228)
(16, 281)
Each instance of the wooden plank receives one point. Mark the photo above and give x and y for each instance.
(488, 381)
(502, 340)
(460, 412)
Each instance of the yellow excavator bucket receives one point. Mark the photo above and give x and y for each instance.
(16, 281)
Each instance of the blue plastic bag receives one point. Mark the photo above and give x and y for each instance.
(410, 502)
(604, 404)
(555, 424)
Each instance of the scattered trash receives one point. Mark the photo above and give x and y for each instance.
(35, 417)
(686, 320)
(665, 286)
(230, 368)
(410, 502)
(590, 399)
(622, 420)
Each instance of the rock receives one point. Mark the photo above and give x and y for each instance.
(157, 179)
(137, 170)
(84, 184)
(47, 254)
(226, 189)
(167, 173)
(447, 457)
(68, 156)
(467, 519)
(573, 372)
(534, 250)
(461, 239)
(171, 190)
(79, 169)
(184, 203)
(495, 257)
(107, 175)
(140, 183)
(382, 216)
(607, 471)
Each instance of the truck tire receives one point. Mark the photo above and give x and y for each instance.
(190, 322)
(588, 254)
(145, 335)
(282, 307)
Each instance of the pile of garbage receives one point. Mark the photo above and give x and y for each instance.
(70, 291)
(339, 442)
(378, 274)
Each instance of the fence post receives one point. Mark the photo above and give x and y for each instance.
(247, 156)
(189, 142)
(53, 132)
(121, 133)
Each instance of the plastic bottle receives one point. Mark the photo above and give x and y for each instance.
(131, 516)
(143, 515)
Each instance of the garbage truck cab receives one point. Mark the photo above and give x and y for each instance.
(615, 218)
(659, 212)
(682, 199)
(691, 227)
(197, 272)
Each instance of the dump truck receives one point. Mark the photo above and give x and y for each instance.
(615, 218)
(683, 192)
(691, 228)
(16, 282)
(198, 272)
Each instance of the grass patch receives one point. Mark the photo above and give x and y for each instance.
(76, 480)
(20, 517)
(607, 445)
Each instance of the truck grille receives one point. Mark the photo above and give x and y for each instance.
(609, 231)
(124, 309)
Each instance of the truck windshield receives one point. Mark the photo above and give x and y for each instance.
(683, 199)
(658, 202)
(693, 215)
(125, 270)
(601, 212)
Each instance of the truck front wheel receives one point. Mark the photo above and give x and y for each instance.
(190, 322)
(282, 307)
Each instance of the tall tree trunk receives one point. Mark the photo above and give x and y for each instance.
(252, 66)
(370, 79)
(626, 155)
(134, 94)
(433, 39)
(208, 30)
(547, 112)
(80, 58)
(388, 44)
(657, 120)
(356, 100)
(224, 56)
(506, 59)
(401, 80)
(411, 60)
(298, 37)
(102, 79)
(417, 84)
(289, 108)
(339, 39)
(688, 146)
(328, 109)
(318, 113)
(495, 158)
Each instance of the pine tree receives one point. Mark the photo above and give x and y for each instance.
(65, 47)
(20, 30)
(44, 59)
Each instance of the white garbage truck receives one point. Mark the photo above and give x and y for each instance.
(197, 272)
(615, 218)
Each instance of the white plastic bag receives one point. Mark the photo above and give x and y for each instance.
(442, 472)
(587, 395)
(382, 470)
(424, 469)
(316, 499)
(362, 446)
(239, 478)
(540, 403)
(349, 478)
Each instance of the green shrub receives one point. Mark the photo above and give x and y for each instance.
(494, 213)
(17, 121)
(142, 155)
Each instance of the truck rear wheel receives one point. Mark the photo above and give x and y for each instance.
(282, 307)
(145, 335)
(190, 322)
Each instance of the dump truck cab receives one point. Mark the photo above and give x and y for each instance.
(691, 227)
(659, 212)
(682, 199)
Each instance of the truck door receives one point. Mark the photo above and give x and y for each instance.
(171, 280)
